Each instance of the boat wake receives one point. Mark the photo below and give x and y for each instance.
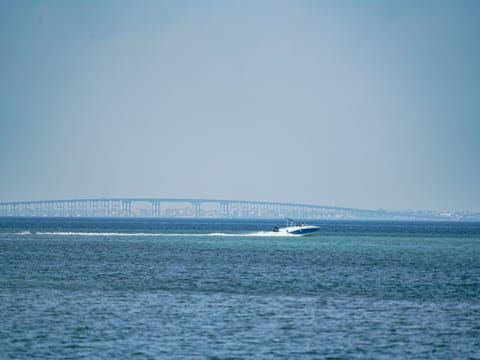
(255, 234)
(163, 234)
(272, 234)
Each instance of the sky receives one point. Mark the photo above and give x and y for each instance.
(366, 104)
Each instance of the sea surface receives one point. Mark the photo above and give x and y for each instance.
(231, 289)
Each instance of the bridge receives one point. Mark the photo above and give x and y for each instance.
(196, 208)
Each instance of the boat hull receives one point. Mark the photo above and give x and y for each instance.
(299, 230)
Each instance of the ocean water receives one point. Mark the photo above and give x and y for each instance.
(229, 289)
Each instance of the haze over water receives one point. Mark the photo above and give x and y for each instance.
(139, 288)
(370, 104)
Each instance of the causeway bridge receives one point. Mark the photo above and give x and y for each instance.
(194, 208)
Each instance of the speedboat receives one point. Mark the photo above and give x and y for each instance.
(295, 228)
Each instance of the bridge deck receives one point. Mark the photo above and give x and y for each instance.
(194, 207)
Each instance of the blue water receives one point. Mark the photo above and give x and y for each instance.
(211, 289)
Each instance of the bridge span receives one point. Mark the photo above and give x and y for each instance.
(176, 207)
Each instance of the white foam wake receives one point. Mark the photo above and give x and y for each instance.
(255, 234)
(272, 234)
(72, 233)
(141, 234)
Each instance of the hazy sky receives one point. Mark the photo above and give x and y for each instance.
(369, 104)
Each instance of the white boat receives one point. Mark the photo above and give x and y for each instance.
(296, 228)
